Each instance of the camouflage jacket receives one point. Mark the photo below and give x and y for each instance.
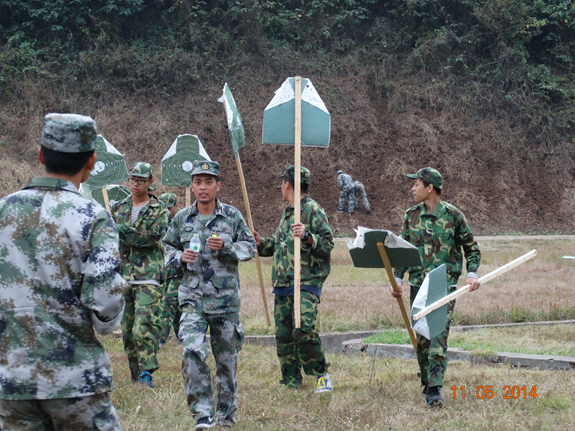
(172, 272)
(216, 287)
(439, 237)
(315, 258)
(344, 182)
(141, 244)
(59, 281)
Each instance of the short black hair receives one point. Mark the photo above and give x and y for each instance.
(289, 179)
(426, 184)
(57, 162)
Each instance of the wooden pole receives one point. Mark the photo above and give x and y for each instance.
(251, 226)
(297, 204)
(406, 319)
(188, 196)
(465, 289)
(106, 200)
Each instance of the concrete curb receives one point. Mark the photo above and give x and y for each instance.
(351, 343)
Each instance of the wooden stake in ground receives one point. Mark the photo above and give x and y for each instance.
(188, 195)
(237, 137)
(406, 318)
(106, 200)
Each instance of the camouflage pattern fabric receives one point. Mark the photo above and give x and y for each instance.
(205, 167)
(141, 244)
(439, 237)
(298, 348)
(209, 296)
(141, 169)
(90, 413)
(69, 133)
(143, 260)
(171, 312)
(226, 337)
(213, 282)
(346, 192)
(432, 354)
(360, 190)
(315, 258)
(141, 326)
(59, 281)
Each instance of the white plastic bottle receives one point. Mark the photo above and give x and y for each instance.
(196, 247)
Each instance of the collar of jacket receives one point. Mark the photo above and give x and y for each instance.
(435, 213)
(51, 183)
(219, 208)
(289, 209)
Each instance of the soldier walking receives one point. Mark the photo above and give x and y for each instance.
(209, 294)
(360, 190)
(142, 221)
(59, 282)
(171, 308)
(346, 192)
(299, 348)
(440, 232)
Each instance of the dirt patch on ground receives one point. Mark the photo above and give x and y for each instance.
(499, 177)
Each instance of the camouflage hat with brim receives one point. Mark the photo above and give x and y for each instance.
(340, 172)
(141, 169)
(205, 167)
(69, 133)
(170, 199)
(429, 175)
(305, 174)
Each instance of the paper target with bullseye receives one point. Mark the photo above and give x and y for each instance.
(178, 161)
(110, 167)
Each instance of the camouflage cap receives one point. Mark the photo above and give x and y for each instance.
(340, 172)
(170, 199)
(141, 169)
(430, 175)
(69, 133)
(205, 167)
(305, 174)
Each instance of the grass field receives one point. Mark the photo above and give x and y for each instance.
(384, 394)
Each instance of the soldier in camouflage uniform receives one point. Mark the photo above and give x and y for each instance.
(209, 294)
(440, 231)
(299, 348)
(171, 308)
(59, 281)
(346, 192)
(360, 190)
(142, 221)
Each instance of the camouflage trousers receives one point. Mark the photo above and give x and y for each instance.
(171, 312)
(298, 348)
(432, 354)
(361, 192)
(141, 327)
(94, 412)
(348, 193)
(227, 338)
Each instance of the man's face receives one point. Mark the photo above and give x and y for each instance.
(205, 188)
(139, 186)
(420, 192)
(285, 186)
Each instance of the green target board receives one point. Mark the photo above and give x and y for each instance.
(279, 117)
(178, 161)
(110, 167)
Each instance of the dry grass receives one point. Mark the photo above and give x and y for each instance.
(370, 394)
(358, 299)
